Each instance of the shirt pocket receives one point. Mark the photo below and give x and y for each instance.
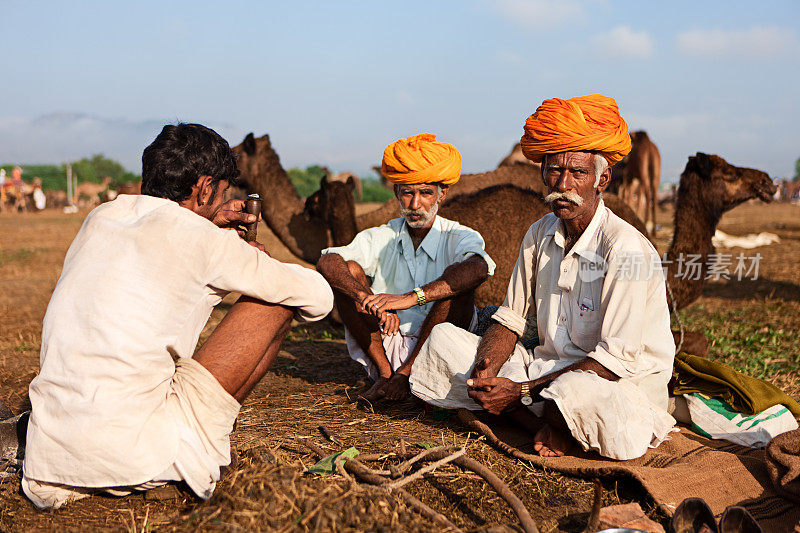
(586, 321)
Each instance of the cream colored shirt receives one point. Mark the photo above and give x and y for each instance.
(138, 285)
(387, 255)
(605, 299)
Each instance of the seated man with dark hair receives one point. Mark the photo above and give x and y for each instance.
(123, 402)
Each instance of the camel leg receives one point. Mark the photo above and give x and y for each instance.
(646, 203)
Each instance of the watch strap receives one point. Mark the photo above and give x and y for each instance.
(420, 295)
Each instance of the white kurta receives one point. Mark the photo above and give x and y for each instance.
(604, 299)
(138, 285)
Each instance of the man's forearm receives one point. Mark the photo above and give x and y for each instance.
(457, 278)
(335, 271)
(587, 365)
(494, 349)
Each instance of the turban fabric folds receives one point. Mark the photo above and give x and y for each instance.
(589, 123)
(421, 159)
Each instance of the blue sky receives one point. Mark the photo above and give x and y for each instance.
(334, 82)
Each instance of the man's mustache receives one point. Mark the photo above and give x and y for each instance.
(568, 196)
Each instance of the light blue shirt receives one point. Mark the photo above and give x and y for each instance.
(387, 255)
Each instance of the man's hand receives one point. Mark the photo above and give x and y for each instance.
(397, 387)
(380, 303)
(481, 369)
(231, 215)
(390, 322)
(495, 394)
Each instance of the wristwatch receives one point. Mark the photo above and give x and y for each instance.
(526, 394)
(420, 295)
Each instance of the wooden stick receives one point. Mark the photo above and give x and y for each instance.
(525, 518)
(402, 468)
(471, 421)
(422, 471)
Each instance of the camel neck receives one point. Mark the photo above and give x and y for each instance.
(695, 223)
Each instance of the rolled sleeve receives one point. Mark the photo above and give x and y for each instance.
(360, 250)
(471, 243)
(242, 268)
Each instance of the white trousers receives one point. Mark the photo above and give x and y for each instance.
(614, 418)
(397, 347)
(204, 414)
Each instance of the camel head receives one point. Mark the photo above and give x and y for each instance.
(255, 157)
(334, 204)
(723, 186)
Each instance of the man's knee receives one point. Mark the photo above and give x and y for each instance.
(444, 334)
(356, 271)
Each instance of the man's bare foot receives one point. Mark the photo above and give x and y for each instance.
(376, 392)
(397, 388)
(550, 442)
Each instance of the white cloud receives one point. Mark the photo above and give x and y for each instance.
(755, 42)
(60, 137)
(622, 41)
(538, 13)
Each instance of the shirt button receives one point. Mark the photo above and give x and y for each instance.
(565, 269)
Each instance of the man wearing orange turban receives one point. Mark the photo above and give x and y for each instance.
(394, 283)
(598, 377)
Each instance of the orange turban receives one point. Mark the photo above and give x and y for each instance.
(589, 123)
(421, 159)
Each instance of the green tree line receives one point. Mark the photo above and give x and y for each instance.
(93, 169)
(98, 166)
(307, 180)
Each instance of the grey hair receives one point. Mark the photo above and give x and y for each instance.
(600, 165)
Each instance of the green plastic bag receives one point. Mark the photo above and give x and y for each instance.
(327, 465)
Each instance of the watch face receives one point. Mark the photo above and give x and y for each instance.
(527, 400)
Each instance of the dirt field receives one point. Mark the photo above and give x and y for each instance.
(752, 324)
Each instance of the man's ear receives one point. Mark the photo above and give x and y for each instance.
(205, 190)
(443, 194)
(605, 178)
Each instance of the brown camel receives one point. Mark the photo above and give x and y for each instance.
(640, 177)
(516, 157)
(346, 177)
(303, 233)
(709, 187)
(92, 190)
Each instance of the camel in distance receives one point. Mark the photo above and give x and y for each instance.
(636, 178)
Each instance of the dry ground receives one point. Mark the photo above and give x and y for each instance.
(752, 324)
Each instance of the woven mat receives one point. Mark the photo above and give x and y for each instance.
(686, 466)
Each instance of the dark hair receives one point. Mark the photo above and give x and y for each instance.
(180, 155)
